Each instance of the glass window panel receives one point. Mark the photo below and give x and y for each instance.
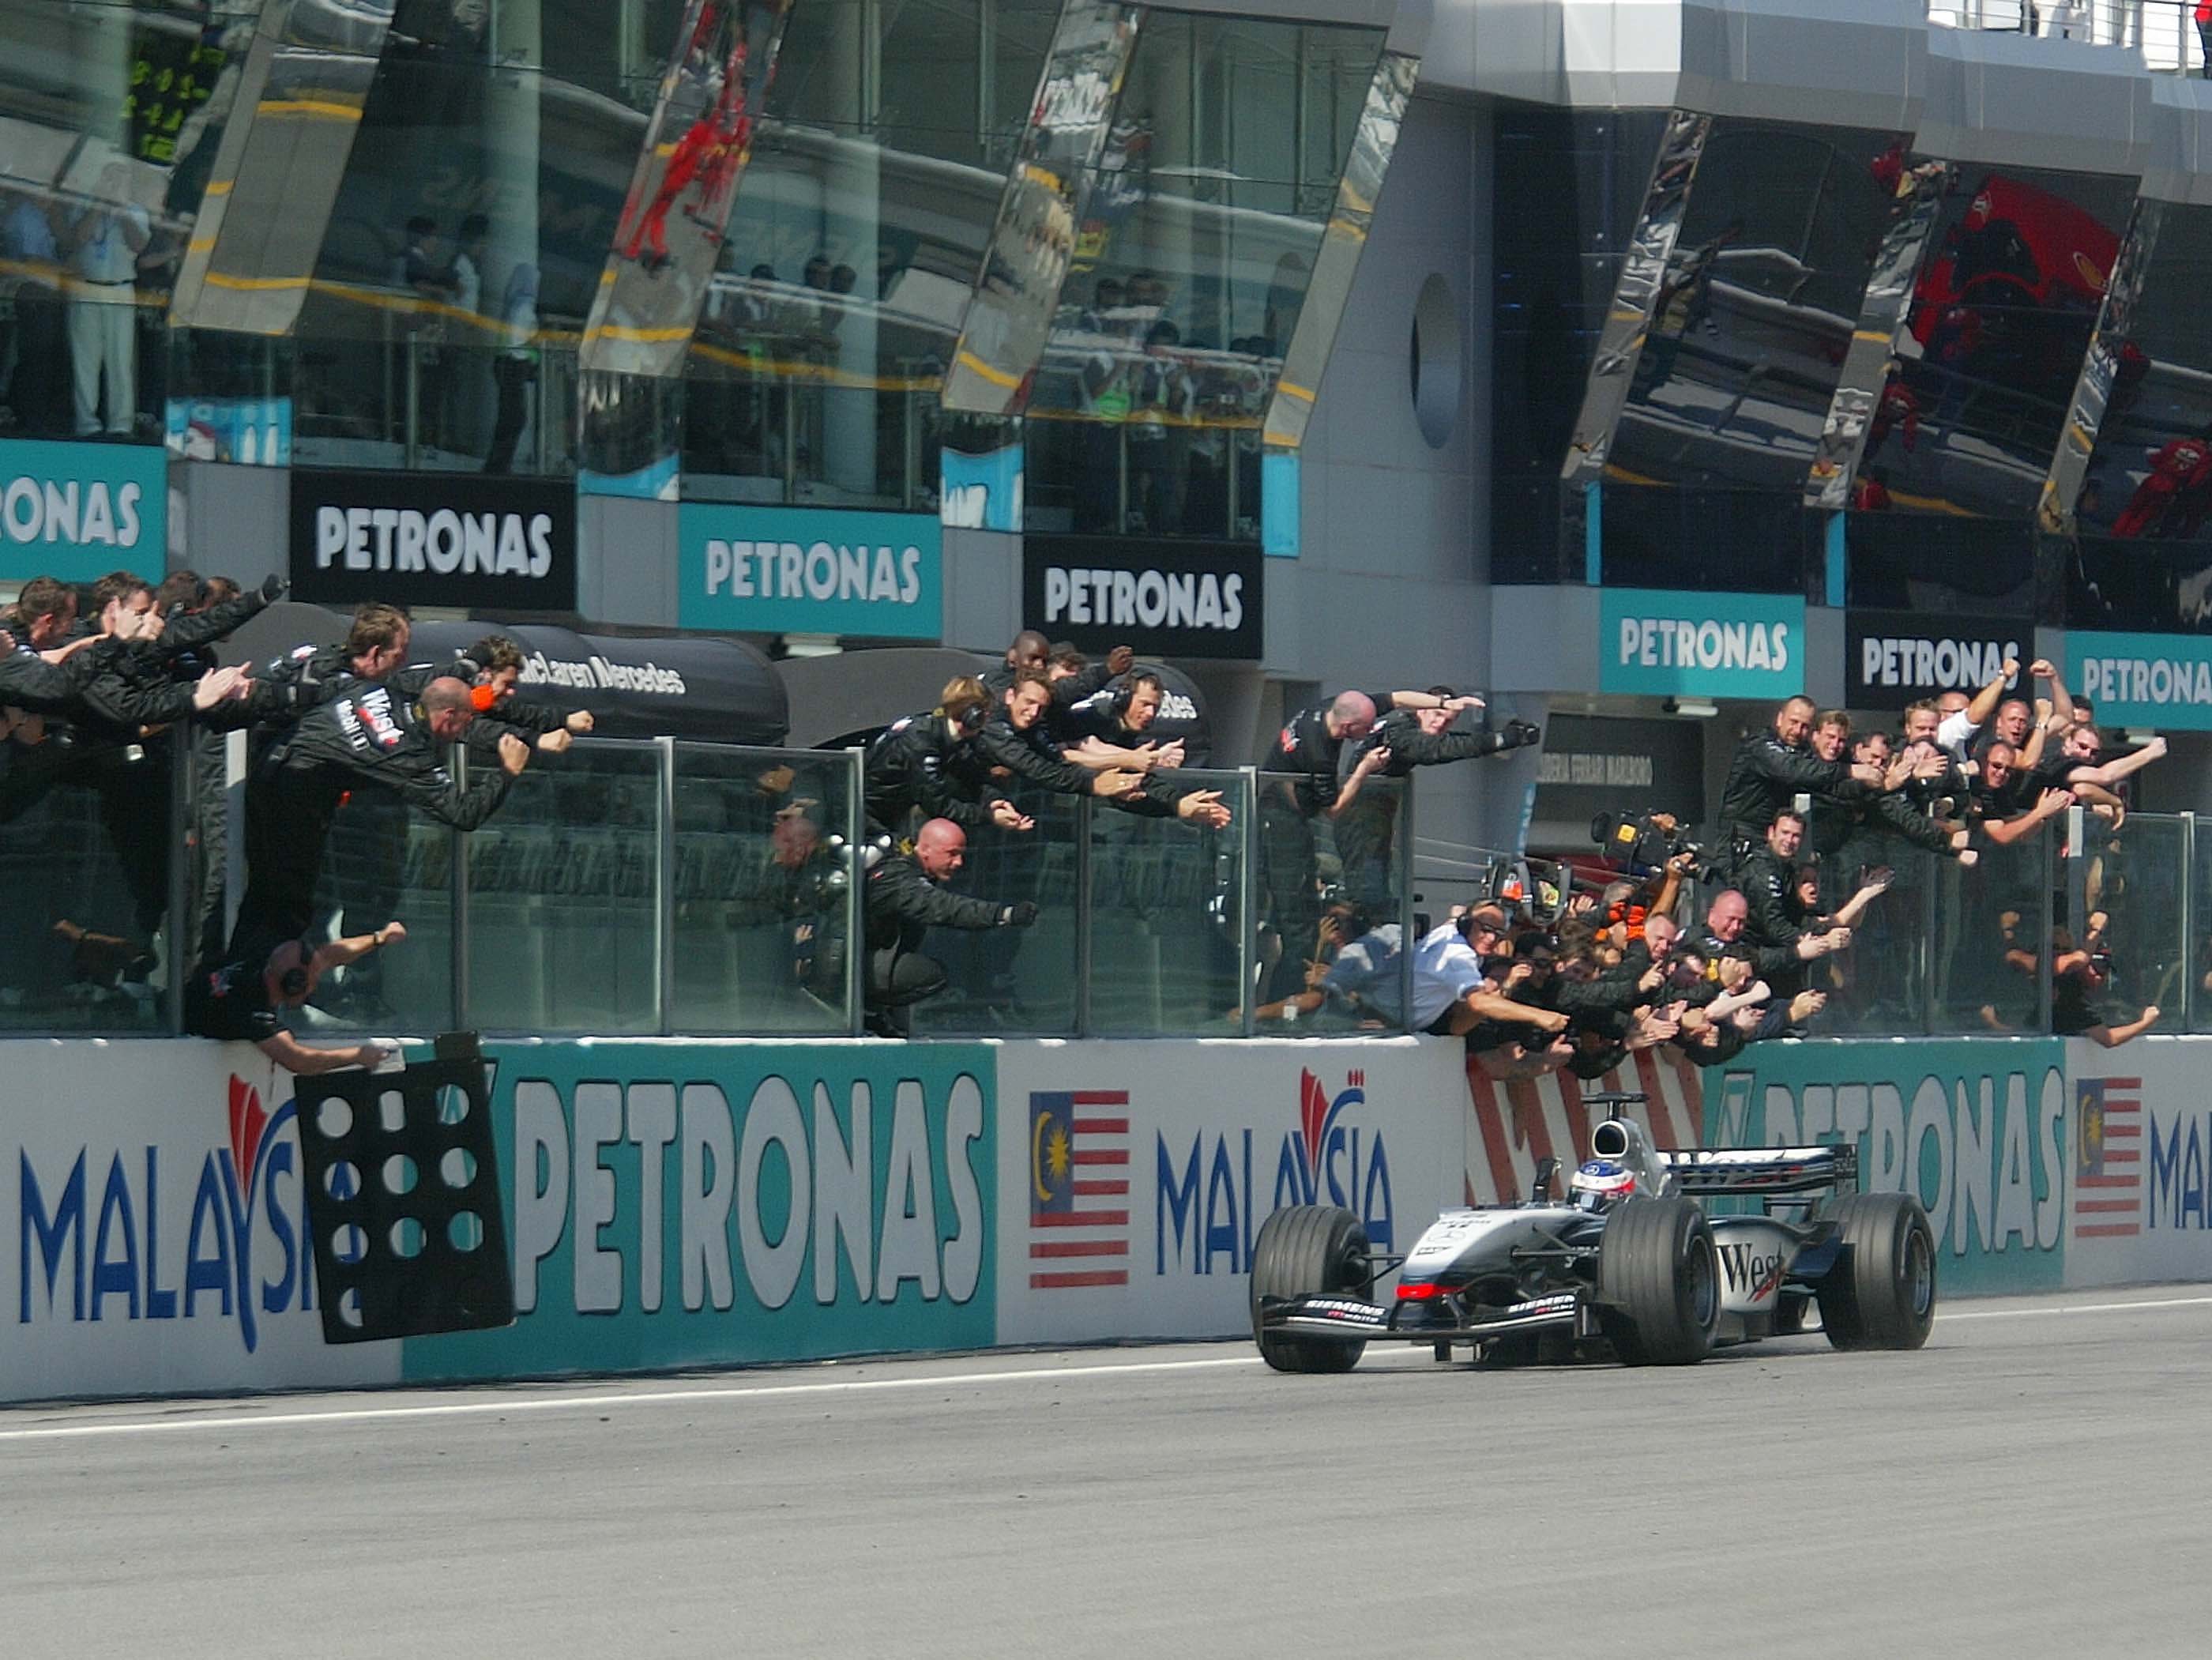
(109, 119)
(1986, 362)
(1757, 305)
(763, 895)
(1167, 919)
(564, 904)
(1880, 987)
(1202, 224)
(1992, 924)
(2123, 949)
(852, 250)
(82, 890)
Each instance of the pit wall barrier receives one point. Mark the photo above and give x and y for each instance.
(815, 1200)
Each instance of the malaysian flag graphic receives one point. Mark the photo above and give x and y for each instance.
(1078, 1188)
(2107, 1157)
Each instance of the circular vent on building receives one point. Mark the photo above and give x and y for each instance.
(1436, 360)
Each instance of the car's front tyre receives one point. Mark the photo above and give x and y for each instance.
(1306, 1250)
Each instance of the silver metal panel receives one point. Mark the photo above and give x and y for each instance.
(2178, 166)
(2010, 99)
(1920, 190)
(1033, 239)
(1342, 243)
(1642, 275)
(688, 175)
(276, 178)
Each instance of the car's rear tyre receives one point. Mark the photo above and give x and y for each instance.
(1307, 1251)
(1880, 1294)
(1659, 1298)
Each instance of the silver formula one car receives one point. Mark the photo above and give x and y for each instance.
(1630, 1262)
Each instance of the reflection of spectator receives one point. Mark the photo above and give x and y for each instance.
(105, 237)
(38, 374)
(515, 367)
(1165, 400)
(2204, 34)
(467, 277)
(417, 266)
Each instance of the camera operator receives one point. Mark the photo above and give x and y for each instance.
(366, 735)
(240, 998)
(905, 899)
(1771, 767)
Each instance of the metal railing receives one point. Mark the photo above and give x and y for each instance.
(2165, 32)
(634, 887)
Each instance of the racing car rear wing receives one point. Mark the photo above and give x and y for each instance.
(1763, 1169)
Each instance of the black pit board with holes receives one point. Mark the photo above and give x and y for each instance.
(438, 1115)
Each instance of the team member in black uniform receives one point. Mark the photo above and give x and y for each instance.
(923, 764)
(1367, 819)
(366, 735)
(1305, 781)
(238, 998)
(905, 900)
(1770, 767)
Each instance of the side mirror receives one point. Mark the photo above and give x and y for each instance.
(1541, 1192)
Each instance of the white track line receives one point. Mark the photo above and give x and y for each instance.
(243, 1420)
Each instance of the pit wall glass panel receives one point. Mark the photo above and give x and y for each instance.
(859, 228)
(467, 238)
(1204, 220)
(2139, 514)
(109, 118)
(1976, 394)
(1732, 386)
(1566, 191)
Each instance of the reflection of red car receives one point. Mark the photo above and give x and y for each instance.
(2012, 294)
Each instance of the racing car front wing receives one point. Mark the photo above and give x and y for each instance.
(1352, 1319)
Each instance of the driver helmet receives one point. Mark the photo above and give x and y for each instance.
(1600, 1184)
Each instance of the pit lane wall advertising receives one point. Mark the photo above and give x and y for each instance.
(2139, 1131)
(1133, 1177)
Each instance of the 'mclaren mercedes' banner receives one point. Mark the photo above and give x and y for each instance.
(416, 539)
(1165, 598)
(1892, 657)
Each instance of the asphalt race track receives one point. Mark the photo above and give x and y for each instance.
(2033, 1483)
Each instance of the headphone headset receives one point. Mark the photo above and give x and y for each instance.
(971, 718)
(481, 698)
(1123, 692)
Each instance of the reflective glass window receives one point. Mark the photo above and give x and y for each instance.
(469, 233)
(1192, 263)
(1567, 186)
(109, 118)
(2142, 508)
(858, 230)
(1984, 370)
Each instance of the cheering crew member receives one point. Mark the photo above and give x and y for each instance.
(308, 677)
(1013, 740)
(1366, 820)
(1769, 768)
(366, 735)
(1032, 651)
(1303, 784)
(922, 764)
(240, 997)
(905, 899)
(492, 668)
